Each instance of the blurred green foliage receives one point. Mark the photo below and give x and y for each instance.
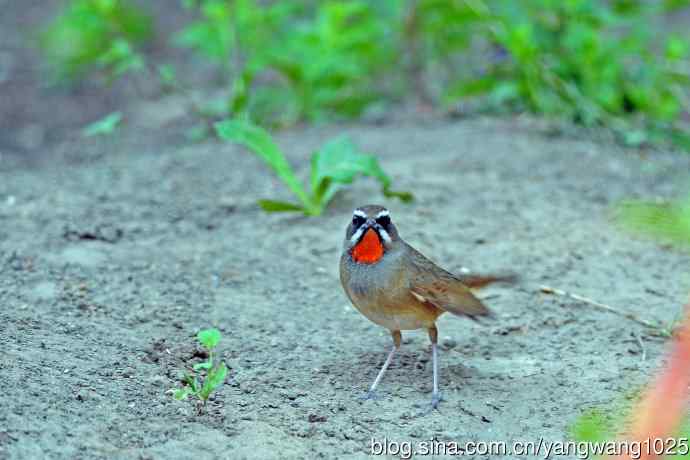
(333, 61)
(609, 422)
(323, 61)
(666, 221)
(595, 425)
(91, 35)
(596, 63)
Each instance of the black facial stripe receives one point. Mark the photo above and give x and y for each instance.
(357, 221)
(384, 221)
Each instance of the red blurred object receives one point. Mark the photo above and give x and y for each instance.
(664, 405)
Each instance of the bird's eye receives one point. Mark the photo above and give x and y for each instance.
(384, 221)
(357, 221)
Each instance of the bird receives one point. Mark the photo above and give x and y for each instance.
(395, 286)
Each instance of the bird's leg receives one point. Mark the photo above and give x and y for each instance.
(396, 345)
(435, 395)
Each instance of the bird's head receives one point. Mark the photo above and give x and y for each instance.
(370, 234)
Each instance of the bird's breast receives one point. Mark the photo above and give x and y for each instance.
(372, 279)
(381, 293)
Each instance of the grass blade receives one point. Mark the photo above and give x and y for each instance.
(182, 393)
(280, 206)
(259, 141)
(204, 365)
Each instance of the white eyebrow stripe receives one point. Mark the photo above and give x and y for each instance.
(359, 213)
(383, 213)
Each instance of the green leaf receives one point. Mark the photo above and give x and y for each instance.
(468, 88)
(104, 126)
(405, 197)
(120, 58)
(259, 141)
(680, 138)
(676, 48)
(209, 338)
(504, 92)
(168, 76)
(591, 426)
(204, 365)
(279, 206)
(635, 137)
(191, 382)
(214, 379)
(189, 4)
(667, 221)
(182, 393)
(206, 38)
(333, 59)
(340, 162)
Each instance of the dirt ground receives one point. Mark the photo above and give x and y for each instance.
(114, 253)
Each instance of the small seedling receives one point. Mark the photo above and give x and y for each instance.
(216, 371)
(103, 127)
(337, 163)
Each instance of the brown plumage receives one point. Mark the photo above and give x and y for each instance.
(397, 287)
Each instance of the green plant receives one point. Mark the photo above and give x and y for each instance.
(437, 36)
(313, 62)
(592, 62)
(93, 35)
(337, 163)
(230, 32)
(238, 35)
(215, 372)
(211, 35)
(600, 425)
(660, 413)
(333, 62)
(595, 63)
(667, 221)
(103, 127)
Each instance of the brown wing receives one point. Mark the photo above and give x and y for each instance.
(432, 284)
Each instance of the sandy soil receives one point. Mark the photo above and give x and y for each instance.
(110, 263)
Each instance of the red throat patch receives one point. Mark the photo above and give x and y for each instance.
(369, 249)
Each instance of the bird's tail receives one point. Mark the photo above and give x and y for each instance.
(480, 281)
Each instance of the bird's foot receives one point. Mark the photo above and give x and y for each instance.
(369, 395)
(427, 408)
(435, 399)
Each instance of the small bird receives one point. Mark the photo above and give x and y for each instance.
(396, 287)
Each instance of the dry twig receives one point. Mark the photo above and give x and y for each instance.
(601, 306)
